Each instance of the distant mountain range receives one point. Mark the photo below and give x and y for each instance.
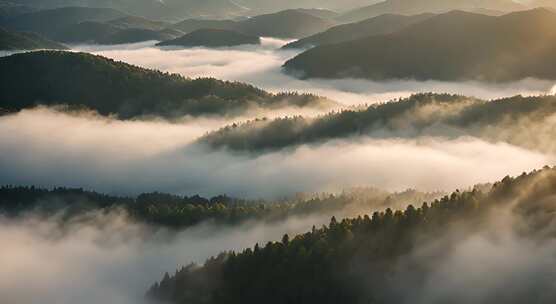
(175, 10)
(453, 46)
(412, 7)
(111, 87)
(110, 26)
(212, 38)
(384, 24)
(50, 22)
(10, 40)
(283, 24)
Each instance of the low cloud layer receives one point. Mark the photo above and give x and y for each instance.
(49, 148)
(261, 66)
(111, 260)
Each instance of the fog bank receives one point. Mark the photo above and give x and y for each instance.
(111, 260)
(261, 66)
(44, 147)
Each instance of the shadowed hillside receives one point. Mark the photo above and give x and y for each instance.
(454, 46)
(10, 40)
(283, 24)
(384, 24)
(111, 87)
(391, 256)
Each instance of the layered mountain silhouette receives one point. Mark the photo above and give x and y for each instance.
(111, 87)
(453, 46)
(384, 24)
(283, 24)
(10, 40)
(412, 7)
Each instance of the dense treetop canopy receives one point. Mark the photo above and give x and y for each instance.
(112, 87)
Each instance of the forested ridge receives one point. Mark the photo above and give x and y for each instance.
(179, 212)
(368, 259)
(523, 121)
(380, 25)
(112, 87)
(283, 24)
(454, 46)
(10, 40)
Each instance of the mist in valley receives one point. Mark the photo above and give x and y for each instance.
(261, 66)
(111, 259)
(46, 147)
(106, 256)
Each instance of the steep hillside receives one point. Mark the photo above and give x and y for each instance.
(454, 46)
(283, 24)
(384, 24)
(50, 22)
(393, 256)
(10, 40)
(111, 87)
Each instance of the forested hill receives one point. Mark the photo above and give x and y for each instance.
(387, 257)
(180, 212)
(455, 46)
(522, 121)
(283, 24)
(50, 22)
(380, 25)
(10, 40)
(111, 87)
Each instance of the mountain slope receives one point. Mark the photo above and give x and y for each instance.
(212, 38)
(133, 35)
(525, 122)
(397, 256)
(50, 22)
(26, 41)
(190, 25)
(384, 24)
(412, 7)
(85, 32)
(134, 22)
(454, 46)
(283, 24)
(110, 87)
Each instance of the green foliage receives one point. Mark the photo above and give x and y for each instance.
(112, 87)
(357, 260)
(178, 212)
(509, 119)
